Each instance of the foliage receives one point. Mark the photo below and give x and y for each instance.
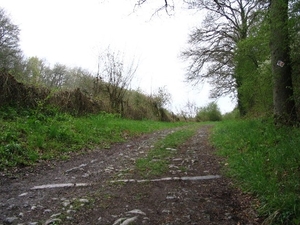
(211, 112)
(234, 114)
(9, 42)
(212, 46)
(55, 77)
(264, 160)
(14, 93)
(156, 162)
(30, 135)
(253, 69)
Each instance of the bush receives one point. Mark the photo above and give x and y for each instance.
(209, 113)
(234, 114)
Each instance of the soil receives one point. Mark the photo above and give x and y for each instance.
(103, 187)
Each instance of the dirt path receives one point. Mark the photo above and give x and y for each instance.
(85, 189)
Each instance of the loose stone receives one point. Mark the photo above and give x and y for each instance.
(52, 221)
(119, 221)
(23, 194)
(129, 221)
(136, 211)
(10, 220)
(83, 200)
(166, 211)
(47, 211)
(69, 211)
(66, 203)
(55, 215)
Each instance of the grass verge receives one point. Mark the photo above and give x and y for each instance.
(31, 135)
(157, 160)
(265, 161)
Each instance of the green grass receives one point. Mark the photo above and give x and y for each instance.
(28, 136)
(265, 161)
(157, 160)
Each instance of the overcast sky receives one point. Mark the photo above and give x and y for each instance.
(75, 32)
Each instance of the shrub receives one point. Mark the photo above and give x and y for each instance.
(209, 113)
(234, 114)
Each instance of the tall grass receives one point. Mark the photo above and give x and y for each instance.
(30, 135)
(264, 160)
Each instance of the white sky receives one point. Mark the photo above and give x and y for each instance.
(75, 32)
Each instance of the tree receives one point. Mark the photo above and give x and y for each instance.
(79, 78)
(283, 99)
(159, 100)
(214, 47)
(34, 70)
(253, 67)
(294, 30)
(9, 42)
(214, 44)
(211, 112)
(165, 6)
(189, 111)
(117, 77)
(55, 77)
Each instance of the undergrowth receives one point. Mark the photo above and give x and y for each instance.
(265, 161)
(28, 136)
(157, 160)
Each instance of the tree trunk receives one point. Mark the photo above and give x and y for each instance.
(284, 104)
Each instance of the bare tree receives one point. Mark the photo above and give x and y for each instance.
(161, 98)
(212, 46)
(165, 6)
(55, 77)
(117, 78)
(78, 77)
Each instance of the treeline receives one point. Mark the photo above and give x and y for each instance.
(250, 50)
(85, 94)
(33, 82)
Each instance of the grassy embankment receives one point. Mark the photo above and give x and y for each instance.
(31, 135)
(265, 161)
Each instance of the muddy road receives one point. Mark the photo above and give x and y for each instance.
(102, 187)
